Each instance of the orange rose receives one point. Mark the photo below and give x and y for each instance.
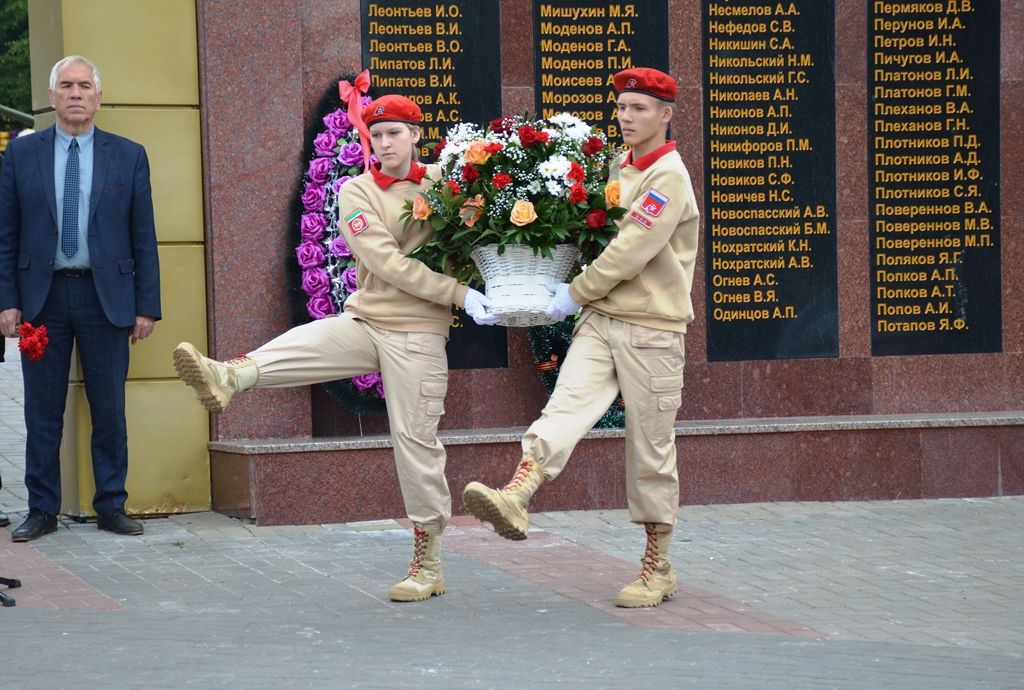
(420, 208)
(612, 192)
(472, 210)
(523, 213)
(477, 153)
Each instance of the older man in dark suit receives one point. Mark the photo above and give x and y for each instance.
(78, 254)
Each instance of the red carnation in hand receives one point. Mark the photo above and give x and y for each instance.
(577, 194)
(596, 219)
(576, 172)
(501, 180)
(527, 136)
(592, 146)
(32, 341)
(469, 173)
(456, 189)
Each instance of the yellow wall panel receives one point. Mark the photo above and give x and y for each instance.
(171, 138)
(168, 463)
(183, 300)
(145, 49)
(45, 45)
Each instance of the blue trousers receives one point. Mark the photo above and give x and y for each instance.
(73, 314)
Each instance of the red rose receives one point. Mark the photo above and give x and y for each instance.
(592, 146)
(596, 219)
(576, 172)
(499, 125)
(577, 194)
(440, 146)
(494, 147)
(527, 136)
(543, 137)
(456, 189)
(501, 180)
(469, 173)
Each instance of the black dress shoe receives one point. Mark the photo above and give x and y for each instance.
(36, 525)
(119, 523)
(4, 520)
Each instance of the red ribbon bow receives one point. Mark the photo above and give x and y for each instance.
(351, 94)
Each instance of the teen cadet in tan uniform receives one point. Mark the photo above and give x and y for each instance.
(396, 322)
(636, 306)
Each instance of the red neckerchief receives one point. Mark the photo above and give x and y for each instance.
(644, 162)
(416, 173)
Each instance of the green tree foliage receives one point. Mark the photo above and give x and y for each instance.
(15, 78)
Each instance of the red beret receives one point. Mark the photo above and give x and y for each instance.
(392, 108)
(648, 81)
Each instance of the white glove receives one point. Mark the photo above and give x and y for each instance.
(562, 304)
(478, 307)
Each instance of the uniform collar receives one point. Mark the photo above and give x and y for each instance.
(644, 162)
(416, 173)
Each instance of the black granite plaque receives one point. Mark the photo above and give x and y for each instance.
(446, 56)
(769, 179)
(933, 171)
(579, 44)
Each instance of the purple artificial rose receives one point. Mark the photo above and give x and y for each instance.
(373, 159)
(366, 100)
(319, 169)
(367, 382)
(316, 282)
(312, 226)
(321, 306)
(339, 247)
(337, 123)
(310, 254)
(325, 143)
(350, 280)
(313, 198)
(340, 181)
(351, 154)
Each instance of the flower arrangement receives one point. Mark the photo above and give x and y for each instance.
(328, 267)
(32, 340)
(518, 181)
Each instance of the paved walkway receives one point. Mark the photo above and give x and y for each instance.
(905, 594)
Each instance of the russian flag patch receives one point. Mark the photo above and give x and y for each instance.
(356, 222)
(653, 203)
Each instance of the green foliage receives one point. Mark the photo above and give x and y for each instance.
(15, 77)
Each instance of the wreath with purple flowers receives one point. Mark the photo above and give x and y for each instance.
(324, 262)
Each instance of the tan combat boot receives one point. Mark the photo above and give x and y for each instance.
(214, 382)
(657, 580)
(424, 579)
(506, 508)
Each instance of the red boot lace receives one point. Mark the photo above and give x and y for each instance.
(240, 359)
(650, 560)
(519, 477)
(419, 548)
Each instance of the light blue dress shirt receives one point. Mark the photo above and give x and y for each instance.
(62, 142)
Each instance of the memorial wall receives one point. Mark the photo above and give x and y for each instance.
(854, 163)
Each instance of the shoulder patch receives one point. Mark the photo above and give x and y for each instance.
(356, 222)
(654, 202)
(641, 218)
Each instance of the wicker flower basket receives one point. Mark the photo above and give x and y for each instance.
(516, 281)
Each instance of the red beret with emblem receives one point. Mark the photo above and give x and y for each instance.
(392, 108)
(648, 81)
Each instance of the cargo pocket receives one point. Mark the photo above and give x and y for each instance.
(665, 400)
(429, 409)
(424, 345)
(651, 340)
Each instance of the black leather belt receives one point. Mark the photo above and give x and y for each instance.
(74, 272)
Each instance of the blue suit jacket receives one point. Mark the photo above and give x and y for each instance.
(121, 234)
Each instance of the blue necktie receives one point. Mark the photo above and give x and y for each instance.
(69, 234)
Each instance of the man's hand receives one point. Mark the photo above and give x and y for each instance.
(562, 304)
(143, 327)
(9, 320)
(478, 307)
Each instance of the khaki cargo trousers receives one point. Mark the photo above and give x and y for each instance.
(646, 364)
(414, 367)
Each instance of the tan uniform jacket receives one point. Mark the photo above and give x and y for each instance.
(395, 292)
(645, 274)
